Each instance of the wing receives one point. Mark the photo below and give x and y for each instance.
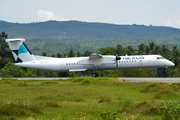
(95, 56)
(97, 60)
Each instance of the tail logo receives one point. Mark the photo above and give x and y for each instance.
(22, 49)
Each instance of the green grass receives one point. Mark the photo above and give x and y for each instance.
(84, 98)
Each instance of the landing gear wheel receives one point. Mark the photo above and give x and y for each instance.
(94, 75)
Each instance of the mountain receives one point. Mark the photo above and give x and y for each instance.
(88, 35)
(52, 29)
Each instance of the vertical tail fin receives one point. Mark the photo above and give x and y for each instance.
(19, 50)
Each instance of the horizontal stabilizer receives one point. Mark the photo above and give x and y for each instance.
(15, 39)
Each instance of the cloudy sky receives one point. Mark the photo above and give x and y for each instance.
(147, 12)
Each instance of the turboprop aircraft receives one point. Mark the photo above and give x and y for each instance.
(94, 62)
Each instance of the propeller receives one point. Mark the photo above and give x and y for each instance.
(117, 57)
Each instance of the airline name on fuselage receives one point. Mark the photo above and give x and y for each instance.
(133, 58)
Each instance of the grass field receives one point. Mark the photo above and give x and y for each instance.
(88, 99)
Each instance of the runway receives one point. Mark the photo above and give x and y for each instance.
(152, 79)
(130, 79)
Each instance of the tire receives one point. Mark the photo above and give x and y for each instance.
(94, 75)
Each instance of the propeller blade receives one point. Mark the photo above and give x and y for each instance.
(117, 57)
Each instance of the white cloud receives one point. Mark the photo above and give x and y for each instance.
(44, 15)
(178, 20)
(174, 22)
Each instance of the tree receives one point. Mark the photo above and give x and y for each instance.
(130, 50)
(64, 55)
(176, 57)
(78, 54)
(71, 53)
(147, 50)
(5, 52)
(141, 49)
(108, 51)
(156, 50)
(10, 70)
(53, 55)
(44, 54)
(59, 55)
(165, 52)
(152, 47)
(121, 50)
(87, 53)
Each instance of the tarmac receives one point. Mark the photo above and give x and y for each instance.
(129, 79)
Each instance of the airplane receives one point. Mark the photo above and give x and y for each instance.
(94, 62)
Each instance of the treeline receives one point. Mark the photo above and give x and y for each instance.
(8, 69)
(93, 44)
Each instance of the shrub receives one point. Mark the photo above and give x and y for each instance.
(19, 109)
(158, 87)
(126, 103)
(52, 97)
(87, 80)
(76, 79)
(158, 96)
(108, 116)
(105, 98)
(25, 83)
(75, 99)
(170, 111)
(49, 83)
(52, 104)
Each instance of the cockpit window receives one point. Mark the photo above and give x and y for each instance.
(160, 58)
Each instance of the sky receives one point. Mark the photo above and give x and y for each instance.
(140, 12)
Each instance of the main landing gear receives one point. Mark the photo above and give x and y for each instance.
(94, 74)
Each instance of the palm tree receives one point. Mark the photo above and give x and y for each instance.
(147, 50)
(156, 50)
(165, 51)
(175, 57)
(141, 48)
(151, 47)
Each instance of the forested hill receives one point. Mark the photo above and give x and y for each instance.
(77, 29)
(59, 37)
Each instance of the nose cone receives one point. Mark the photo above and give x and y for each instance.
(169, 64)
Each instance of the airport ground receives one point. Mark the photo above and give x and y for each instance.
(130, 79)
(89, 99)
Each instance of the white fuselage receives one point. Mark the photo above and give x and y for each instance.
(106, 63)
